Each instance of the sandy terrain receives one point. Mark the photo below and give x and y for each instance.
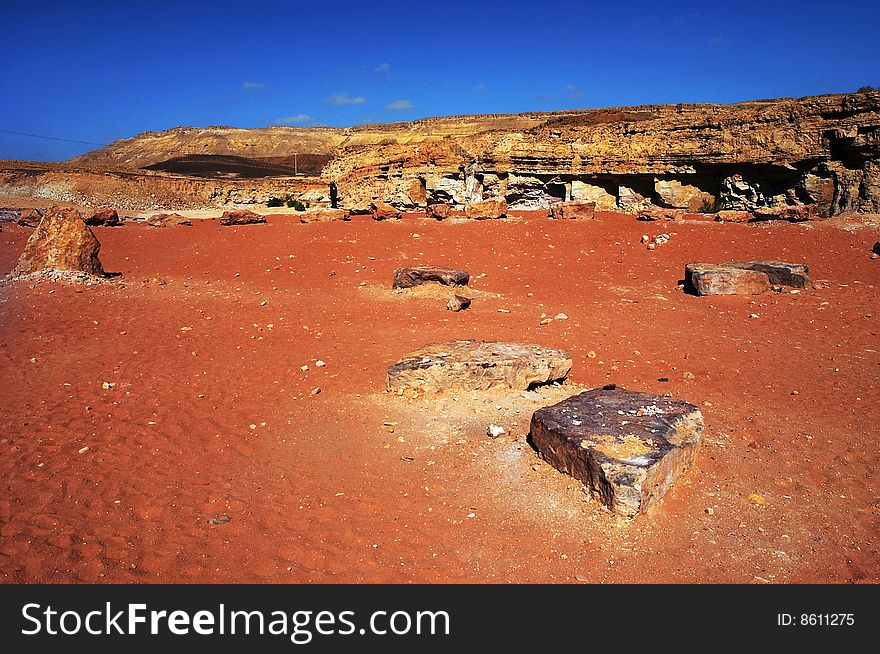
(210, 460)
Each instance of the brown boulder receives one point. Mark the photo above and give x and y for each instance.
(573, 211)
(439, 211)
(476, 365)
(409, 277)
(714, 279)
(383, 211)
(62, 241)
(486, 210)
(103, 218)
(242, 217)
(29, 217)
(324, 215)
(168, 219)
(626, 447)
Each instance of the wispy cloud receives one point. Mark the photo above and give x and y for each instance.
(720, 40)
(479, 88)
(253, 86)
(382, 68)
(399, 105)
(298, 119)
(573, 92)
(342, 98)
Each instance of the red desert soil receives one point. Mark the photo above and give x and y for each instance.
(211, 461)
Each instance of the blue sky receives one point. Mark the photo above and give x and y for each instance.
(99, 71)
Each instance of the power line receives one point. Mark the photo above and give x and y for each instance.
(51, 138)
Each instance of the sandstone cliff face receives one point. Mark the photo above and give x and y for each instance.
(822, 150)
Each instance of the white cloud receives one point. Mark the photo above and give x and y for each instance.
(253, 86)
(299, 119)
(342, 98)
(573, 91)
(399, 105)
(382, 68)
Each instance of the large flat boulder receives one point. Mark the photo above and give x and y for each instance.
(627, 447)
(242, 217)
(62, 241)
(795, 275)
(168, 219)
(653, 213)
(477, 365)
(486, 210)
(409, 277)
(324, 215)
(573, 211)
(714, 279)
(382, 211)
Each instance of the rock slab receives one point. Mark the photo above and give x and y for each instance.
(62, 241)
(714, 279)
(29, 217)
(324, 215)
(796, 275)
(486, 210)
(573, 211)
(243, 217)
(627, 447)
(409, 277)
(477, 365)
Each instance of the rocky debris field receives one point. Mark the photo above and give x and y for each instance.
(219, 410)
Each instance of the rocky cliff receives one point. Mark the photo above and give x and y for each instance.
(822, 150)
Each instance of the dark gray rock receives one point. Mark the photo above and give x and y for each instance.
(627, 447)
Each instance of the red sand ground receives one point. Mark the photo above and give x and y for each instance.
(320, 491)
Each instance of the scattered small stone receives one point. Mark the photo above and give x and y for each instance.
(560, 316)
(264, 303)
(503, 310)
(320, 364)
(651, 246)
(688, 375)
(494, 431)
(663, 379)
(710, 510)
(756, 499)
(315, 390)
(304, 368)
(795, 393)
(108, 386)
(754, 315)
(591, 354)
(645, 238)
(252, 426)
(83, 450)
(221, 519)
(546, 321)
(458, 303)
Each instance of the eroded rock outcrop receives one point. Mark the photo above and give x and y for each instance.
(627, 447)
(486, 209)
(61, 242)
(476, 365)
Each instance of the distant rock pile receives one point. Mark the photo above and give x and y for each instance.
(61, 242)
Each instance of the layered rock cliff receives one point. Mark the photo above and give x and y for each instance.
(822, 150)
